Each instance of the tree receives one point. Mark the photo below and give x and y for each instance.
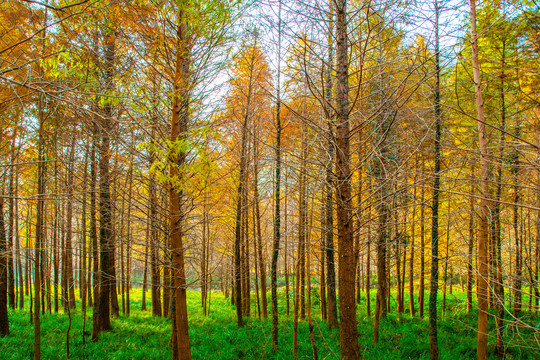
(346, 274)
(434, 284)
(277, 203)
(4, 321)
(180, 113)
(481, 345)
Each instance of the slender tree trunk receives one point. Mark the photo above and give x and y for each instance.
(56, 248)
(93, 222)
(411, 263)
(277, 203)
(302, 226)
(470, 251)
(481, 345)
(368, 272)
(204, 250)
(257, 223)
(70, 282)
(102, 320)
(115, 308)
(422, 245)
(145, 271)
(27, 290)
(518, 237)
(346, 273)
(296, 301)
(434, 282)
(256, 263)
(329, 212)
(155, 277)
(129, 242)
(446, 260)
(10, 233)
(83, 289)
(499, 287)
(398, 257)
(179, 120)
(4, 322)
(18, 245)
(324, 307)
(40, 219)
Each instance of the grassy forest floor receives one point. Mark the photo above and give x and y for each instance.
(141, 336)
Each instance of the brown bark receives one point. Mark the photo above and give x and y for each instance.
(145, 271)
(434, 281)
(4, 322)
(40, 233)
(180, 113)
(240, 301)
(277, 213)
(102, 320)
(257, 223)
(329, 212)
(302, 226)
(347, 305)
(70, 282)
(83, 285)
(422, 246)
(483, 221)
(10, 233)
(470, 252)
(155, 278)
(411, 261)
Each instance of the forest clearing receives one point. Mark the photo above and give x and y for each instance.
(269, 179)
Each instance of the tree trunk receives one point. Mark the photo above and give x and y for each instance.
(302, 226)
(102, 320)
(329, 212)
(481, 345)
(347, 305)
(4, 322)
(10, 233)
(70, 282)
(145, 271)
(155, 278)
(180, 114)
(518, 238)
(434, 283)
(470, 251)
(411, 263)
(83, 285)
(257, 223)
(422, 245)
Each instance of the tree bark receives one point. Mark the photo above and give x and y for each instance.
(481, 344)
(240, 198)
(102, 320)
(434, 282)
(180, 114)
(4, 321)
(329, 211)
(347, 305)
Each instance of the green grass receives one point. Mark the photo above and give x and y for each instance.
(141, 336)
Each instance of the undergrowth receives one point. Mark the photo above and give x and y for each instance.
(141, 336)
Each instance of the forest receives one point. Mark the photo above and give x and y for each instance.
(269, 179)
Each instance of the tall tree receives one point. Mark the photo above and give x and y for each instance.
(277, 202)
(4, 321)
(434, 283)
(179, 123)
(347, 316)
(102, 317)
(482, 335)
